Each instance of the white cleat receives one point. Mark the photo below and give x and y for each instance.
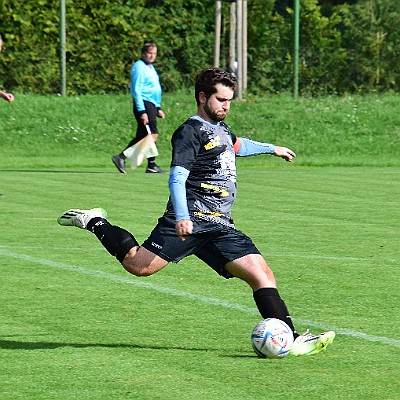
(309, 344)
(80, 218)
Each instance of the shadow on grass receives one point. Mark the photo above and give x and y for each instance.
(54, 171)
(21, 345)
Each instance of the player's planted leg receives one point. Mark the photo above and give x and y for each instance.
(271, 305)
(254, 270)
(309, 344)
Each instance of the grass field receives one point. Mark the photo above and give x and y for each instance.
(75, 325)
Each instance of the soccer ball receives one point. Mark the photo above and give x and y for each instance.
(272, 338)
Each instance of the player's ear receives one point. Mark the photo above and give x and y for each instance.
(202, 97)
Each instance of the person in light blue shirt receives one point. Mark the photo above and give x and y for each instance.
(145, 83)
(146, 93)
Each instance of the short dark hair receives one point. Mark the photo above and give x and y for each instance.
(207, 79)
(147, 46)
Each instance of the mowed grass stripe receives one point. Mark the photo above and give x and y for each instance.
(173, 292)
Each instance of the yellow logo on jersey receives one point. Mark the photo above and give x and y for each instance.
(213, 143)
(211, 214)
(224, 193)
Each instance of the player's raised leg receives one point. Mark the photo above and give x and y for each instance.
(118, 242)
(80, 218)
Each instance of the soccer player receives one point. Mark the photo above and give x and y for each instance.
(198, 218)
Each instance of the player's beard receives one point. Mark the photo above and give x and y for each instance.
(215, 116)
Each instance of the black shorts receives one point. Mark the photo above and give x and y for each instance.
(212, 243)
(151, 111)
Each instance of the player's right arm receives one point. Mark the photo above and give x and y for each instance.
(186, 143)
(177, 187)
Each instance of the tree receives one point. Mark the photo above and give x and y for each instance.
(372, 45)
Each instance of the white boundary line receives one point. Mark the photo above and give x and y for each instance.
(173, 292)
(281, 255)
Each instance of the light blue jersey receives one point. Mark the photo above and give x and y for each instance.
(145, 85)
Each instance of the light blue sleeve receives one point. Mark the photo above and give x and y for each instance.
(251, 148)
(177, 187)
(136, 84)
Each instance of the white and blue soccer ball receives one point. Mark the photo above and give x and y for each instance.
(272, 338)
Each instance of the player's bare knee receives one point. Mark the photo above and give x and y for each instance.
(136, 269)
(143, 272)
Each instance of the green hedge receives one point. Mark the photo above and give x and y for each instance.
(343, 48)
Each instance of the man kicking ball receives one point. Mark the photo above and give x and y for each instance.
(198, 219)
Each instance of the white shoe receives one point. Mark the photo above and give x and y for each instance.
(80, 218)
(308, 344)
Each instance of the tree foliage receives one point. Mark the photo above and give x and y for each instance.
(371, 38)
(345, 45)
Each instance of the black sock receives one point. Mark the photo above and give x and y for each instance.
(271, 305)
(116, 240)
(151, 162)
(122, 155)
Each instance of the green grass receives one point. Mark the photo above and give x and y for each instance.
(351, 131)
(74, 324)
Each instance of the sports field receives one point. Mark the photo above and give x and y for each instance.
(75, 325)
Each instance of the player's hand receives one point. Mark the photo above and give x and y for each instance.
(284, 153)
(183, 228)
(6, 96)
(144, 118)
(160, 114)
(9, 97)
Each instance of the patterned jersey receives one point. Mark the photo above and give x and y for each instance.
(206, 150)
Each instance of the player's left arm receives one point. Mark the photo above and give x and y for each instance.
(245, 147)
(284, 153)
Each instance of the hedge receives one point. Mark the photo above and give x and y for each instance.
(344, 48)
